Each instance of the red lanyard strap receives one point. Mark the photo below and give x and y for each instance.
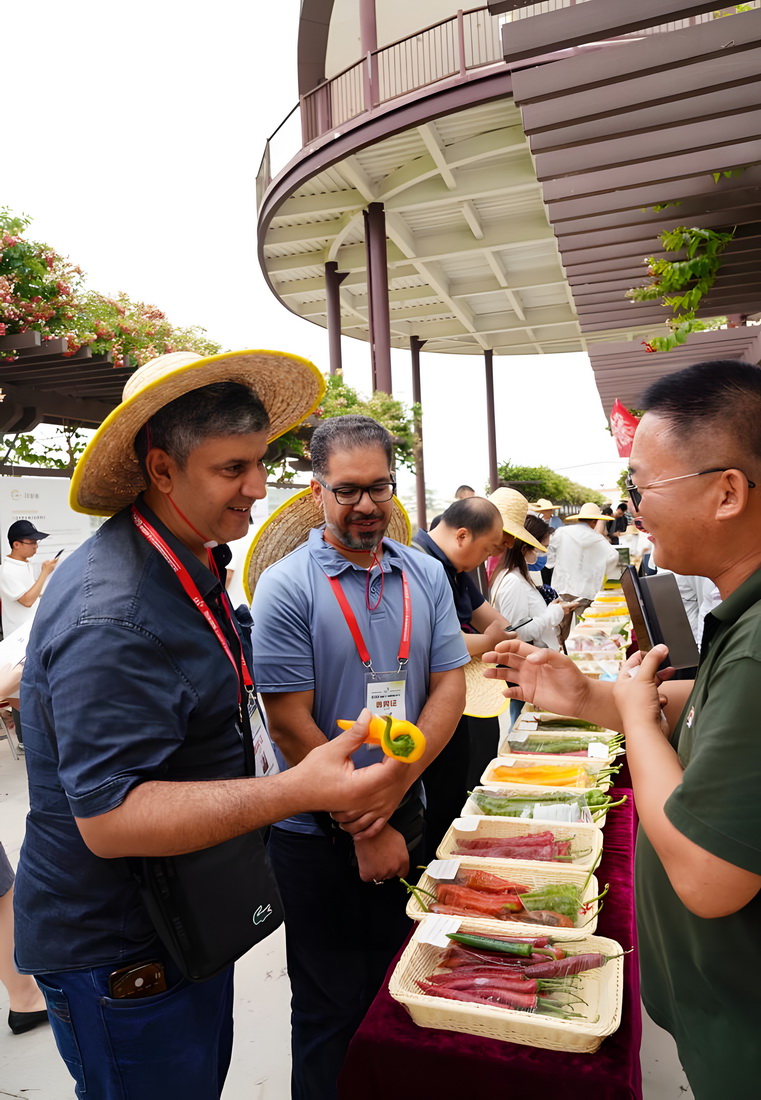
(154, 538)
(356, 633)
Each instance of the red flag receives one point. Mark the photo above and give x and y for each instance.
(623, 426)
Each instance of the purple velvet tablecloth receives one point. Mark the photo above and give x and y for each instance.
(390, 1056)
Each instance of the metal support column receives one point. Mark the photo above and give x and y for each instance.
(491, 428)
(422, 517)
(377, 292)
(333, 280)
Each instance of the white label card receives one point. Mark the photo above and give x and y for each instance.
(384, 694)
(433, 930)
(598, 750)
(443, 869)
(467, 824)
(264, 753)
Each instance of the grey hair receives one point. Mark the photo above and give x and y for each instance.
(347, 433)
(223, 408)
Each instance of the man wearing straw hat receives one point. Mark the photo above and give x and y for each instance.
(137, 695)
(349, 618)
(580, 556)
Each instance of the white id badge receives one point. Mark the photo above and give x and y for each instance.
(384, 693)
(264, 754)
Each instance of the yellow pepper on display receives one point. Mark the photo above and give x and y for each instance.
(399, 740)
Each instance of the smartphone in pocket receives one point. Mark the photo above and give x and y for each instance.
(144, 979)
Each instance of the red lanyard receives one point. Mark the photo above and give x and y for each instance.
(356, 633)
(154, 538)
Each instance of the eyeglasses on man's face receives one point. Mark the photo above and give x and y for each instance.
(348, 495)
(635, 491)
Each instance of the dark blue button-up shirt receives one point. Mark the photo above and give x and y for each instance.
(124, 683)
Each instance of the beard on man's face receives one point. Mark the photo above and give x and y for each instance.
(359, 540)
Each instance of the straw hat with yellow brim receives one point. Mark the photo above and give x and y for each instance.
(513, 508)
(543, 505)
(483, 698)
(589, 511)
(289, 526)
(108, 476)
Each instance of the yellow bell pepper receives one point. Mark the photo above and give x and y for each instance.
(399, 740)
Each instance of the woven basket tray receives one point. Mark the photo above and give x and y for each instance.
(586, 837)
(593, 767)
(471, 808)
(527, 873)
(601, 989)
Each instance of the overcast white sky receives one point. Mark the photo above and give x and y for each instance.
(132, 136)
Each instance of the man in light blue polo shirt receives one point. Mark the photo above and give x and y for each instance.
(329, 639)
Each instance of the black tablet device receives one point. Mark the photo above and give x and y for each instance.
(658, 616)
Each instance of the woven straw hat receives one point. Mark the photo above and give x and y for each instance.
(289, 526)
(483, 698)
(108, 475)
(589, 511)
(543, 505)
(513, 507)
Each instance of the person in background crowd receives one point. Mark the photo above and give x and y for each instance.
(27, 1005)
(470, 531)
(517, 598)
(621, 521)
(692, 747)
(462, 493)
(547, 511)
(331, 620)
(20, 591)
(135, 680)
(580, 557)
(608, 532)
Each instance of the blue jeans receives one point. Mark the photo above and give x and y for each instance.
(175, 1044)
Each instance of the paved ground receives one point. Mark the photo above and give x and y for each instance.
(30, 1066)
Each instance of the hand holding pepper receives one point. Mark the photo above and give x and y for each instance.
(399, 740)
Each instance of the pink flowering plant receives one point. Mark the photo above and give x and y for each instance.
(37, 286)
(43, 291)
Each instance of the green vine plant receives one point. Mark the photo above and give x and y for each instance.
(682, 284)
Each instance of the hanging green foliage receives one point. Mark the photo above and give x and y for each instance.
(681, 285)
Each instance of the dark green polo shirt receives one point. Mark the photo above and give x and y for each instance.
(701, 979)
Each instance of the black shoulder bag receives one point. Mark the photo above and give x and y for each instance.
(210, 907)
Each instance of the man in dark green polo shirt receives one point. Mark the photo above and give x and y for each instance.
(694, 749)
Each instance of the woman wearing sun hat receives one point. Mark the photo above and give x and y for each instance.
(515, 596)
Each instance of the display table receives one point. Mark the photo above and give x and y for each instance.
(390, 1056)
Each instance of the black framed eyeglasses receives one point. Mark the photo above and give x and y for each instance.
(347, 495)
(635, 491)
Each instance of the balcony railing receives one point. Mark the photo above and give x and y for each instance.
(466, 41)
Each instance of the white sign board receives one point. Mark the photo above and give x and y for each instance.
(45, 502)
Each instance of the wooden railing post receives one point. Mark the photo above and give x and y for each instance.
(461, 40)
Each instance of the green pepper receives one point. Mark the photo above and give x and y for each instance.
(504, 947)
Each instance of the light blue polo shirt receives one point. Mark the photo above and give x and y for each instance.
(302, 642)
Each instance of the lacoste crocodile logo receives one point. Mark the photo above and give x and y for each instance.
(261, 914)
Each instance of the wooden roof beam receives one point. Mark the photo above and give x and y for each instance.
(593, 21)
